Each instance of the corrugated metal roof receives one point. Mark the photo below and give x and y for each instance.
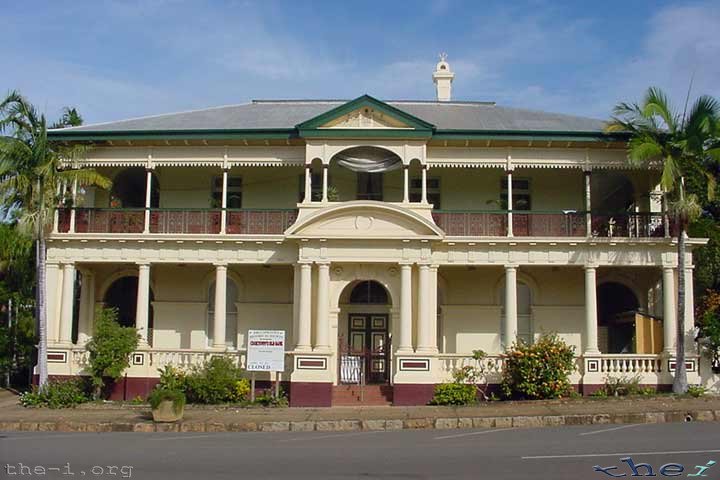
(285, 114)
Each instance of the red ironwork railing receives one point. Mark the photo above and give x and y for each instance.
(472, 224)
(109, 220)
(259, 222)
(192, 221)
(638, 225)
(549, 224)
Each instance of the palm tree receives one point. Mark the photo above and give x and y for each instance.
(677, 142)
(31, 177)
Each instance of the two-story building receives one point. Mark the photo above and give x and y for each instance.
(388, 239)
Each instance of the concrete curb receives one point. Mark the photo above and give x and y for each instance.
(369, 425)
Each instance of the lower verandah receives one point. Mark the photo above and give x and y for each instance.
(470, 315)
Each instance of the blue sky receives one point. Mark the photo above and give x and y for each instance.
(122, 59)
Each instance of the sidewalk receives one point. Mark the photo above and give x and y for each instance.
(115, 417)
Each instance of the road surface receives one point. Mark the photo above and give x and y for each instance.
(547, 453)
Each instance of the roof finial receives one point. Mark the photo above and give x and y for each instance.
(443, 77)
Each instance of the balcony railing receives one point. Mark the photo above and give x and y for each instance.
(637, 225)
(177, 221)
(549, 224)
(472, 224)
(259, 222)
(185, 221)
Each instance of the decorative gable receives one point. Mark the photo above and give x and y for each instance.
(365, 116)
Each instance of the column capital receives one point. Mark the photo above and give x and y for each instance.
(143, 264)
(305, 263)
(405, 265)
(590, 266)
(667, 268)
(323, 263)
(68, 265)
(511, 266)
(220, 264)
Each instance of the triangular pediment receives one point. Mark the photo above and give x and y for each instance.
(365, 220)
(365, 114)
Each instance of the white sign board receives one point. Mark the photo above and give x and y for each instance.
(266, 351)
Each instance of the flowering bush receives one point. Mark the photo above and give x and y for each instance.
(57, 394)
(540, 370)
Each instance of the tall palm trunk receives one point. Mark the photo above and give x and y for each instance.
(680, 384)
(42, 314)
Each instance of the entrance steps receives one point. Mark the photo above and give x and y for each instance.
(367, 395)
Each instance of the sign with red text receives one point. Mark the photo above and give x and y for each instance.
(266, 351)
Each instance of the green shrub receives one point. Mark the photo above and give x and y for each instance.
(57, 394)
(110, 349)
(267, 399)
(696, 391)
(622, 385)
(159, 394)
(172, 378)
(454, 394)
(213, 382)
(540, 370)
(242, 390)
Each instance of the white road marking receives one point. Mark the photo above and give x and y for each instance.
(611, 429)
(338, 435)
(483, 432)
(620, 454)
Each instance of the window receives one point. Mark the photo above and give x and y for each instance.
(433, 191)
(369, 186)
(234, 192)
(520, 194)
(316, 184)
(231, 297)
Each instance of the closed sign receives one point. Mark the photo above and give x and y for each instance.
(266, 351)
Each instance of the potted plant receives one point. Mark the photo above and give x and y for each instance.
(168, 405)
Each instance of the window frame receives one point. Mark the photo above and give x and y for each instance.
(518, 193)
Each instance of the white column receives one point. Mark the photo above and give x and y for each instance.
(305, 307)
(669, 310)
(689, 311)
(588, 205)
(223, 213)
(325, 183)
(148, 199)
(308, 184)
(143, 302)
(427, 310)
(509, 204)
(424, 184)
(406, 183)
(220, 318)
(72, 211)
(405, 340)
(322, 322)
(591, 321)
(53, 276)
(511, 321)
(56, 216)
(87, 306)
(296, 306)
(68, 302)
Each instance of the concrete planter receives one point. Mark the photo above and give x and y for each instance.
(166, 413)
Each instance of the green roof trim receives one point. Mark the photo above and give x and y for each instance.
(530, 135)
(364, 101)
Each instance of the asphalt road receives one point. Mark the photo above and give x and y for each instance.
(547, 453)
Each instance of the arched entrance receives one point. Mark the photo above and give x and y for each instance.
(366, 345)
(617, 305)
(122, 295)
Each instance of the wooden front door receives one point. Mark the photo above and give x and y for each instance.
(368, 337)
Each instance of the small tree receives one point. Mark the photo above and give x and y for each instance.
(540, 370)
(110, 349)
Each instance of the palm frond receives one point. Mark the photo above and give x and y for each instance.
(656, 103)
(670, 174)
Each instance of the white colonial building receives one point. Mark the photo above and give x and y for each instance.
(388, 239)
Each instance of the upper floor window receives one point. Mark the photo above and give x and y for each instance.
(316, 185)
(520, 194)
(369, 186)
(433, 191)
(234, 192)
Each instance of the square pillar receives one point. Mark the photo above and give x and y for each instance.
(588, 205)
(53, 277)
(308, 184)
(509, 204)
(424, 199)
(406, 184)
(148, 199)
(325, 183)
(68, 303)
(510, 320)
(87, 307)
(591, 320)
(223, 204)
(322, 321)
